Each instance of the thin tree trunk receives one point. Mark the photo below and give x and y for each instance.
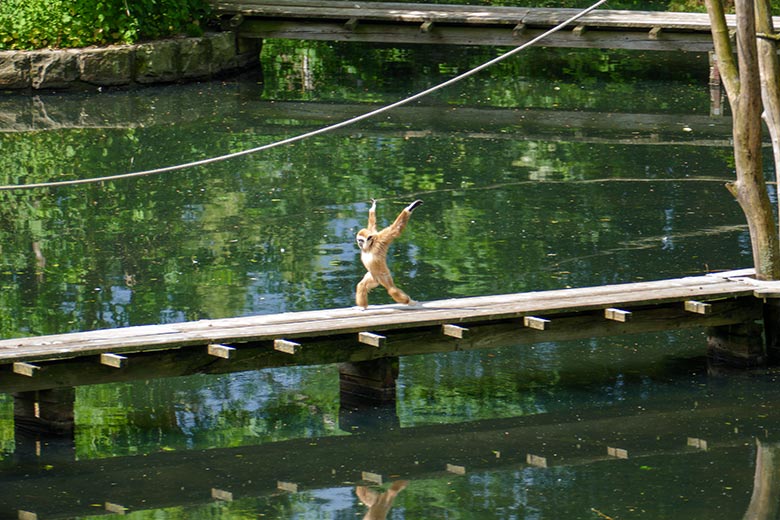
(743, 87)
(769, 68)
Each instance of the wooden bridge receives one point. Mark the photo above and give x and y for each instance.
(350, 335)
(390, 22)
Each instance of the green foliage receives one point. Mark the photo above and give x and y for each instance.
(35, 24)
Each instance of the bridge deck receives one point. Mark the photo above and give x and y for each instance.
(393, 22)
(301, 327)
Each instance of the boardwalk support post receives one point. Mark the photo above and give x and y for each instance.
(367, 394)
(44, 419)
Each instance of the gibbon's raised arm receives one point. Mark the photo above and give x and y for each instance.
(373, 253)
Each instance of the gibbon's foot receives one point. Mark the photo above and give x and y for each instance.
(413, 303)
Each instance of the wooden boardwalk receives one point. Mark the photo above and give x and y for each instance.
(351, 334)
(392, 22)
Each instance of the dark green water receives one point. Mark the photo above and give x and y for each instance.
(560, 169)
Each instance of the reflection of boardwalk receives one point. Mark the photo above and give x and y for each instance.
(659, 429)
(465, 25)
(352, 335)
(21, 114)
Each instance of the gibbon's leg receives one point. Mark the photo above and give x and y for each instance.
(395, 293)
(365, 285)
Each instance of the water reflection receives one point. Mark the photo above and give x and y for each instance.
(379, 504)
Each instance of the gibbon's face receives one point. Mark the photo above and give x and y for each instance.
(364, 240)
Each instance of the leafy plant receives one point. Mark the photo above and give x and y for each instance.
(36, 24)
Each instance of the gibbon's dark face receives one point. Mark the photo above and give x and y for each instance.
(364, 240)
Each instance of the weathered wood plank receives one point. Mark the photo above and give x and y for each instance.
(345, 348)
(312, 324)
(635, 39)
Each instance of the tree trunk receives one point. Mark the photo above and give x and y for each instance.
(769, 68)
(743, 87)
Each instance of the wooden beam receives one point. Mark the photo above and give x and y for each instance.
(536, 460)
(221, 494)
(286, 346)
(26, 369)
(456, 469)
(617, 314)
(290, 487)
(368, 476)
(579, 30)
(698, 307)
(113, 360)
(351, 24)
(454, 331)
(697, 443)
(654, 33)
(533, 322)
(115, 508)
(369, 338)
(221, 351)
(618, 453)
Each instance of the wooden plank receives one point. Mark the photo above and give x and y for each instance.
(221, 494)
(697, 443)
(288, 347)
(456, 469)
(415, 12)
(290, 487)
(536, 461)
(326, 350)
(617, 314)
(113, 360)
(618, 453)
(369, 338)
(454, 331)
(221, 351)
(320, 324)
(115, 508)
(368, 476)
(471, 35)
(533, 322)
(698, 307)
(25, 369)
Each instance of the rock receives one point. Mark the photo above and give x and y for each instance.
(157, 62)
(195, 57)
(223, 51)
(107, 66)
(53, 68)
(14, 69)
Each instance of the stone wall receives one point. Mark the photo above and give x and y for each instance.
(163, 61)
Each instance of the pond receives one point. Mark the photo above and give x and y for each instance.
(558, 169)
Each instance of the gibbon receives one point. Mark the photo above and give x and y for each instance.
(373, 253)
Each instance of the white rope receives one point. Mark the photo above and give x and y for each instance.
(313, 133)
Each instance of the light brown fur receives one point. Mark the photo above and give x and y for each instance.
(373, 253)
(379, 504)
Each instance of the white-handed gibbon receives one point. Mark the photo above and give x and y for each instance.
(373, 246)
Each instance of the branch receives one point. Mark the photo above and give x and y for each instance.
(722, 43)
